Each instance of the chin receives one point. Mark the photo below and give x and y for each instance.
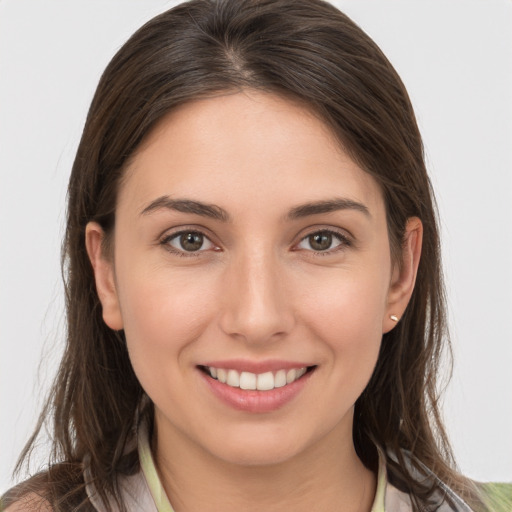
(258, 457)
(258, 449)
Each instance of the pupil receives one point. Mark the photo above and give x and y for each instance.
(191, 241)
(320, 241)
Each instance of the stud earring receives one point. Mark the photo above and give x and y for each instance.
(394, 318)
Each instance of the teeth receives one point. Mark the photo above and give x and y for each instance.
(265, 381)
(280, 379)
(252, 381)
(222, 375)
(247, 380)
(233, 379)
(291, 375)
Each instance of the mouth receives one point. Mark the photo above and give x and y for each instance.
(248, 381)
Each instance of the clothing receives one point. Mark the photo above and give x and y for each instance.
(143, 492)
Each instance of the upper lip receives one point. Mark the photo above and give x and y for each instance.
(245, 365)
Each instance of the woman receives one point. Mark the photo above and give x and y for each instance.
(250, 323)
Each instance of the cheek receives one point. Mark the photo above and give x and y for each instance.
(353, 299)
(163, 312)
(346, 319)
(346, 313)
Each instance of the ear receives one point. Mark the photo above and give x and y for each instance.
(404, 275)
(104, 275)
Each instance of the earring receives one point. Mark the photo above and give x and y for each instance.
(394, 318)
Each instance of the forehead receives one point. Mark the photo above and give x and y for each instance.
(241, 148)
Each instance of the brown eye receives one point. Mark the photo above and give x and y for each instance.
(320, 241)
(189, 241)
(323, 241)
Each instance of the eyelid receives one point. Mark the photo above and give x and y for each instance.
(173, 233)
(346, 240)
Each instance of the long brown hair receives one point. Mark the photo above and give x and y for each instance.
(308, 50)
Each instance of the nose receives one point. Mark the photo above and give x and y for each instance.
(257, 307)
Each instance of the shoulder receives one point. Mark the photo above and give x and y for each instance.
(30, 502)
(497, 496)
(38, 493)
(27, 496)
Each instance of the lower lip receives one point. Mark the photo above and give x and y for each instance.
(256, 401)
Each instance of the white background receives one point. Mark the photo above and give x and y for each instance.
(455, 58)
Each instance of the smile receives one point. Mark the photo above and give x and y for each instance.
(256, 381)
(256, 387)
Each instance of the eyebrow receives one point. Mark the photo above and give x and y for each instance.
(216, 212)
(331, 205)
(187, 206)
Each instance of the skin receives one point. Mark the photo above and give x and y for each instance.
(255, 290)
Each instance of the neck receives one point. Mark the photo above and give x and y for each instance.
(327, 476)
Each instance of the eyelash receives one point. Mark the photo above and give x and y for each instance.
(344, 242)
(182, 253)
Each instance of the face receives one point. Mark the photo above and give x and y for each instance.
(252, 277)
